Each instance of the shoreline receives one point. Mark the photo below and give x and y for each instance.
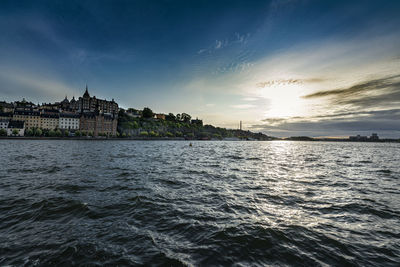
(180, 139)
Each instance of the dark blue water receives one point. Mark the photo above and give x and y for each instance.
(216, 203)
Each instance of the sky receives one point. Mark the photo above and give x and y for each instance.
(284, 68)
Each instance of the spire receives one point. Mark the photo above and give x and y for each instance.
(86, 94)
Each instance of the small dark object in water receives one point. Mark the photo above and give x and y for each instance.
(190, 144)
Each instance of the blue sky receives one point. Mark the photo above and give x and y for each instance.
(262, 62)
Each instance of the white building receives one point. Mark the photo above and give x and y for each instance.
(18, 126)
(4, 124)
(69, 121)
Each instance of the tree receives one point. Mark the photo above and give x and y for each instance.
(153, 134)
(147, 113)
(66, 133)
(185, 117)
(29, 132)
(58, 132)
(38, 132)
(15, 132)
(169, 134)
(90, 133)
(144, 133)
(78, 133)
(52, 133)
(170, 117)
(3, 132)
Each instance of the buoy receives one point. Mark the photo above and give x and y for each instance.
(190, 144)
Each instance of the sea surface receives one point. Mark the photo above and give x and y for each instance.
(213, 204)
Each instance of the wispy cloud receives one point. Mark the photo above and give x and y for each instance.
(243, 106)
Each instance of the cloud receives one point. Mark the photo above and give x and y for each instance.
(282, 82)
(363, 122)
(243, 106)
(376, 93)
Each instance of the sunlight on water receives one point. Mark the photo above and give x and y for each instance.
(215, 203)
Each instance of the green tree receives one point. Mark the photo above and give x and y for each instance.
(185, 118)
(38, 132)
(52, 133)
(144, 133)
(15, 132)
(66, 133)
(153, 134)
(123, 135)
(169, 134)
(147, 113)
(90, 133)
(3, 132)
(29, 132)
(78, 133)
(58, 132)
(170, 117)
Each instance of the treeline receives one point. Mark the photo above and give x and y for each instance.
(175, 126)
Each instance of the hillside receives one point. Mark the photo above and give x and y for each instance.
(176, 126)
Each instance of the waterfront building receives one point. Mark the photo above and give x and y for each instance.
(16, 125)
(98, 123)
(6, 115)
(29, 116)
(374, 137)
(49, 121)
(4, 124)
(69, 121)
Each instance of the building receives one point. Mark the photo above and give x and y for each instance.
(49, 121)
(93, 104)
(30, 117)
(374, 137)
(6, 107)
(4, 124)
(24, 105)
(98, 123)
(68, 121)
(16, 126)
(6, 115)
(197, 122)
(159, 116)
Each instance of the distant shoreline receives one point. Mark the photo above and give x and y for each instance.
(183, 139)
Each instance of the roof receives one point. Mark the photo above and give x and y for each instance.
(69, 115)
(5, 114)
(4, 120)
(86, 94)
(16, 124)
(55, 116)
(27, 112)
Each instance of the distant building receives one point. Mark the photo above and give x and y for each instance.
(18, 126)
(197, 122)
(159, 116)
(92, 104)
(98, 123)
(6, 115)
(49, 121)
(374, 137)
(6, 107)
(358, 138)
(69, 121)
(24, 105)
(29, 116)
(4, 124)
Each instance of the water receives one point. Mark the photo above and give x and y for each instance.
(216, 203)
